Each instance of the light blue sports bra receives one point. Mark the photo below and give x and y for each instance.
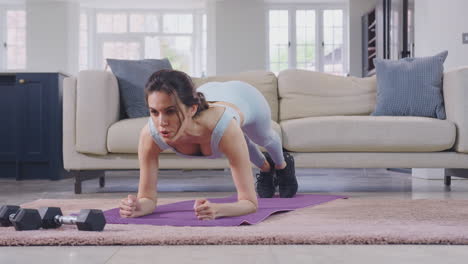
(217, 134)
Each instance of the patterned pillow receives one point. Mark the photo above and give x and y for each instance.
(410, 87)
(132, 76)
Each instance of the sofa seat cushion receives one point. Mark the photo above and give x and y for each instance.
(122, 136)
(368, 134)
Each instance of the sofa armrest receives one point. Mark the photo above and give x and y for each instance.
(68, 121)
(97, 107)
(456, 106)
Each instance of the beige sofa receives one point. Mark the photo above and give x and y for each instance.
(322, 119)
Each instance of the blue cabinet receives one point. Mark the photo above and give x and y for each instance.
(31, 126)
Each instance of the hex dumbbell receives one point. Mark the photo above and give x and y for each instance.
(87, 220)
(20, 218)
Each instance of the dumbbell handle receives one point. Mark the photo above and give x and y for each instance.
(68, 220)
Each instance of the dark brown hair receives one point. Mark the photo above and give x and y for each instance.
(179, 85)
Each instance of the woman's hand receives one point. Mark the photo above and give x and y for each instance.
(205, 210)
(130, 207)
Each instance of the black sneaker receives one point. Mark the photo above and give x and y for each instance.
(272, 164)
(287, 180)
(265, 184)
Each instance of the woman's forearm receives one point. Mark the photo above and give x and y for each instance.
(241, 207)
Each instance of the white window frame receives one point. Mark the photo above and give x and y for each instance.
(88, 12)
(319, 54)
(96, 40)
(3, 34)
(267, 39)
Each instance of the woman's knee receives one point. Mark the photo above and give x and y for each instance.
(270, 138)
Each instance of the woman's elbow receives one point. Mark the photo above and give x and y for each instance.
(250, 204)
(255, 206)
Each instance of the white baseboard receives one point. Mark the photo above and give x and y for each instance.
(431, 174)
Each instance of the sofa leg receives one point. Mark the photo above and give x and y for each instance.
(447, 180)
(77, 186)
(462, 173)
(102, 181)
(81, 176)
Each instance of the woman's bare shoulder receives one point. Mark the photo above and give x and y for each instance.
(147, 142)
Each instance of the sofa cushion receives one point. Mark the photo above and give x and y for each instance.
(308, 93)
(368, 134)
(133, 76)
(264, 81)
(410, 86)
(123, 135)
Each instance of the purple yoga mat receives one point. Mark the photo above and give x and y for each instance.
(182, 213)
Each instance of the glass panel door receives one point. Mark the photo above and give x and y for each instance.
(279, 40)
(305, 40)
(333, 59)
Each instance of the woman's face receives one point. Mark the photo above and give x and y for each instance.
(164, 113)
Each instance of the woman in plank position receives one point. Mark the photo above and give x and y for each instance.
(218, 118)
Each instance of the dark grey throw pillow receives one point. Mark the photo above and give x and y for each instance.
(410, 87)
(132, 76)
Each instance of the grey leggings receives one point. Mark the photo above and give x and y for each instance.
(257, 117)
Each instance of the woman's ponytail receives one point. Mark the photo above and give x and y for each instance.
(202, 103)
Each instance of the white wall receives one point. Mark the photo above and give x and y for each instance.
(211, 37)
(52, 36)
(439, 26)
(240, 36)
(357, 8)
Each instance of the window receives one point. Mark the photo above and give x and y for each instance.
(279, 40)
(333, 61)
(307, 37)
(121, 50)
(411, 31)
(143, 23)
(179, 36)
(111, 23)
(13, 38)
(204, 54)
(178, 23)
